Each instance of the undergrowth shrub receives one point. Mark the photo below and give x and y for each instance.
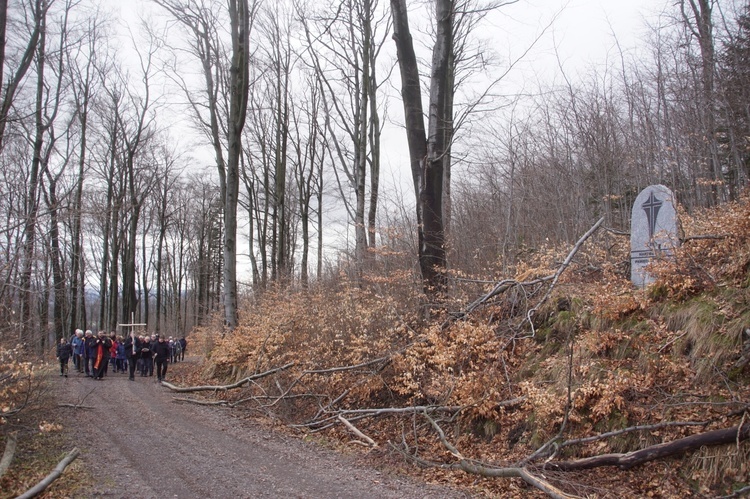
(599, 354)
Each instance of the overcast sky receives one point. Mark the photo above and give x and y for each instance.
(583, 35)
(584, 32)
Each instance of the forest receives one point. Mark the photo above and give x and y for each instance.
(108, 219)
(485, 296)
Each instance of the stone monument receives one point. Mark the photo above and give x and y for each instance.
(653, 231)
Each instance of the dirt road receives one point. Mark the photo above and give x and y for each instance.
(148, 446)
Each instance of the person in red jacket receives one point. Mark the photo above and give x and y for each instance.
(101, 354)
(113, 351)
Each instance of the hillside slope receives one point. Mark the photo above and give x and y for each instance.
(528, 374)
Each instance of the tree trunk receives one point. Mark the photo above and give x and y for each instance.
(82, 103)
(32, 201)
(110, 225)
(658, 451)
(129, 295)
(703, 30)
(3, 27)
(427, 152)
(374, 138)
(439, 117)
(361, 142)
(39, 10)
(411, 97)
(280, 269)
(58, 278)
(239, 74)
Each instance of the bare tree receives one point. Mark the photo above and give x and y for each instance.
(343, 43)
(82, 86)
(54, 177)
(165, 207)
(201, 21)
(697, 16)
(734, 80)
(427, 147)
(309, 157)
(42, 122)
(36, 15)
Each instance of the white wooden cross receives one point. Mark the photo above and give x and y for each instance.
(132, 325)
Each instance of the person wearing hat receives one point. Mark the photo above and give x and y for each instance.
(161, 351)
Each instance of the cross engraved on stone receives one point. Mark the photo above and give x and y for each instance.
(652, 207)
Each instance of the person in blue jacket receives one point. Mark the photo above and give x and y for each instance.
(121, 360)
(77, 344)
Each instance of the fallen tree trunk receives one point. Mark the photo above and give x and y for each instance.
(216, 388)
(626, 461)
(667, 449)
(39, 488)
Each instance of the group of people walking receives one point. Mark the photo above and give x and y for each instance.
(93, 355)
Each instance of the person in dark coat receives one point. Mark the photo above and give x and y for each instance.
(172, 350)
(132, 352)
(161, 355)
(150, 360)
(121, 360)
(146, 356)
(183, 346)
(88, 353)
(102, 346)
(64, 353)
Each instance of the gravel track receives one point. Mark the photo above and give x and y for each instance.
(149, 446)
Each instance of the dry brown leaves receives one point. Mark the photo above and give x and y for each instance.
(631, 364)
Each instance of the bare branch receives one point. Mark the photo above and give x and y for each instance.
(200, 402)
(216, 388)
(507, 284)
(356, 431)
(477, 468)
(348, 368)
(10, 451)
(39, 488)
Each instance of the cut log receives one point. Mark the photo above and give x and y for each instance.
(667, 449)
